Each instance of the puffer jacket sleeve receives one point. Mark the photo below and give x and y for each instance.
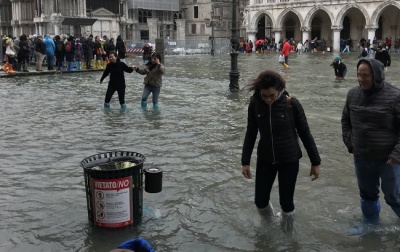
(346, 127)
(396, 150)
(251, 135)
(304, 133)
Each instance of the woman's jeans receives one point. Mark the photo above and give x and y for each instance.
(50, 61)
(369, 174)
(150, 89)
(265, 177)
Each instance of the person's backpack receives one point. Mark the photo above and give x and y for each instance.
(68, 47)
(59, 46)
(364, 53)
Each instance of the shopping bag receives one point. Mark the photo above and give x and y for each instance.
(281, 59)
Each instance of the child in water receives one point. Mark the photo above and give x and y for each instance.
(340, 68)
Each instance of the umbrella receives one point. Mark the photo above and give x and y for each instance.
(259, 41)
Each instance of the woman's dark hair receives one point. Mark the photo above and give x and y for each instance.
(156, 55)
(22, 37)
(266, 79)
(113, 53)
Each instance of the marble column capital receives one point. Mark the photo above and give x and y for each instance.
(305, 29)
(56, 18)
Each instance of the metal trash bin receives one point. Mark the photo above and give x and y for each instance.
(114, 188)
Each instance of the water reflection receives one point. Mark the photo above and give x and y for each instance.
(50, 123)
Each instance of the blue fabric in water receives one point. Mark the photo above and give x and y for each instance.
(137, 245)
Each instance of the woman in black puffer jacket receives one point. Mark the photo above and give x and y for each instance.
(280, 119)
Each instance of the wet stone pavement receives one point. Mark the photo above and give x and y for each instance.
(51, 122)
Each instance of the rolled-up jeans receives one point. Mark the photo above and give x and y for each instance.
(39, 60)
(369, 174)
(150, 89)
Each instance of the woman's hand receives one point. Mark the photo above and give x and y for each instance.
(314, 172)
(391, 161)
(246, 171)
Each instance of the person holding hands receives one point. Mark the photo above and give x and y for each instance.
(153, 80)
(116, 70)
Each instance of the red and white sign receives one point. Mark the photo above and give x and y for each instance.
(112, 201)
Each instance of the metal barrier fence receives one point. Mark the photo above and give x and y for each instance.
(221, 46)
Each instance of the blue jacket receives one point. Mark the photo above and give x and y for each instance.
(50, 46)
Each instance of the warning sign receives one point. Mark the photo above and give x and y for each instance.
(112, 201)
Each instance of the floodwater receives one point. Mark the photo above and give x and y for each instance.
(50, 123)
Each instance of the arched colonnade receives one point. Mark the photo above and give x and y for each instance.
(379, 19)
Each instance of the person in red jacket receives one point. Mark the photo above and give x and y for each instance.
(285, 52)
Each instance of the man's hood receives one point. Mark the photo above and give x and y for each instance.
(378, 73)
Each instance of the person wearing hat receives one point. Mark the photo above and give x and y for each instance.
(383, 56)
(339, 67)
(153, 80)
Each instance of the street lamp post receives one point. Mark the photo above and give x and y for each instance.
(212, 34)
(211, 23)
(234, 73)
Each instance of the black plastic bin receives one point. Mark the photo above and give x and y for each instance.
(114, 188)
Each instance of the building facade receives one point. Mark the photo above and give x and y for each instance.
(329, 20)
(74, 17)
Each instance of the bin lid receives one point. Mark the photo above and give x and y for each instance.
(113, 160)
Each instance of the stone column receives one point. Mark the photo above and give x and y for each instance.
(371, 32)
(277, 33)
(336, 38)
(180, 32)
(56, 19)
(153, 29)
(305, 33)
(251, 35)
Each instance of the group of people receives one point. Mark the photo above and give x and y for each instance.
(370, 130)
(63, 52)
(152, 82)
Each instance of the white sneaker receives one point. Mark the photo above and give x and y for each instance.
(268, 211)
(287, 221)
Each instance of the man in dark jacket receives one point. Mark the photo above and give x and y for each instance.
(23, 53)
(383, 56)
(371, 128)
(88, 47)
(121, 48)
(40, 52)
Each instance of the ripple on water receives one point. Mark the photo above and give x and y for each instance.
(50, 123)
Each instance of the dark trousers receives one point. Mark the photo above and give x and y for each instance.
(111, 90)
(265, 177)
(88, 59)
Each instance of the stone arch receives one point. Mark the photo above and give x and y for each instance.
(253, 22)
(279, 21)
(313, 11)
(343, 12)
(377, 13)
